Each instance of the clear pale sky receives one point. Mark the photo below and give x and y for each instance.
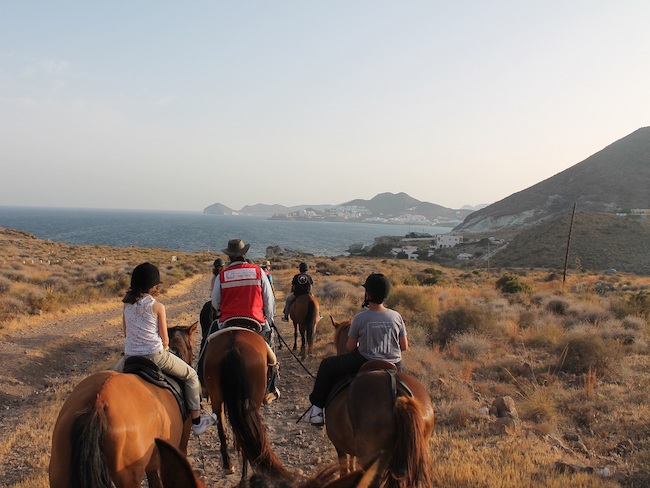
(178, 105)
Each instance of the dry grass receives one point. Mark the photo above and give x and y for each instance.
(574, 357)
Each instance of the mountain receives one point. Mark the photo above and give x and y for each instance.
(383, 206)
(219, 209)
(615, 179)
(395, 204)
(598, 241)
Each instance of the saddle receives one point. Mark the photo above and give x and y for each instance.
(149, 371)
(245, 322)
(373, 365)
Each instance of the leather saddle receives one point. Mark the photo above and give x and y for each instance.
(149, 371)
(396, 382)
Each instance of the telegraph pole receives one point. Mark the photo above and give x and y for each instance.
(566, 257)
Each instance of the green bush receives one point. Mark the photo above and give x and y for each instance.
(509, 283)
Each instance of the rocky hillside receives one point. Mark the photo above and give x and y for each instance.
(615, 179)
(599, 241)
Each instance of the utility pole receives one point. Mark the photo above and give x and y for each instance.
(566, 257)
(488, 259)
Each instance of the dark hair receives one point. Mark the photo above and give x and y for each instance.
(303, 267)
(144, 277)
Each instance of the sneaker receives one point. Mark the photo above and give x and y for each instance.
(316, 417)
(206, 421)
(269, 397)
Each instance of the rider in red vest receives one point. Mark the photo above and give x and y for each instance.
(242, 289)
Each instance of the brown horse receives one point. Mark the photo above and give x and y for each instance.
(105, 432)
(235, 373)
(398, 403)
(304, 313)
(176, 472)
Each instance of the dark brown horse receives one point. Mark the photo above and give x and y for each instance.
(105, 432)
(235, 373)
(304, 313)
(176, 472)
(385, 411)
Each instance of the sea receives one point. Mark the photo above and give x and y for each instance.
(195, 231)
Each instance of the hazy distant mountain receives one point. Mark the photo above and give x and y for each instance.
(385, 205)
(616, 178)
(219, 209)
(474, 208)
(396, 204)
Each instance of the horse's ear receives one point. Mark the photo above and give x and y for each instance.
(175, 470)
(193, 328)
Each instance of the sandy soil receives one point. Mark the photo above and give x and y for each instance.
(37, 363)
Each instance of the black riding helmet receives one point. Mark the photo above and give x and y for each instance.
(378, 287)
(145, 276)
(303, 267)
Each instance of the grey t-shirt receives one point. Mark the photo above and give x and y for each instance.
(378, 333)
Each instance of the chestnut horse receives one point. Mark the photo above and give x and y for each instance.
(382, 410)
(105, 432)
(235, 373)
(304, 313)
(176, 472)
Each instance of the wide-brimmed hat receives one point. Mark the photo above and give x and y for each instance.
(236, 248)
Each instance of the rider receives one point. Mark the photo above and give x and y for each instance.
(300, 285)
(243, 290)
(267, 269)
(217, 266)
(376, 333)
(144, 323)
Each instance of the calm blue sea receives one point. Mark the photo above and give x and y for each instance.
(194, 231)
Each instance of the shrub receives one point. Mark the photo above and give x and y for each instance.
(472, 345)
(558, 306)
(5, 284)
(335, 290)
(633, 323)
(459, 320)
(583, 351)
(509, 283)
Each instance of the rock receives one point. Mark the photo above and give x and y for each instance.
(504, 426)
(504, 407)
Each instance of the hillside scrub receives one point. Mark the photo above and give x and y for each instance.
(573, 360)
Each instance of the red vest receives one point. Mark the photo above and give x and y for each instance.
(241, 292)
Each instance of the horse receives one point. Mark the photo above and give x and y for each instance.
(235, 373)
(176, 471)
(398, 403)
(106, 429)
(304, 313)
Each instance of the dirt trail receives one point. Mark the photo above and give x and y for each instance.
(39, 362)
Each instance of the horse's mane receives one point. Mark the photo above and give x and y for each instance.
(340, 333)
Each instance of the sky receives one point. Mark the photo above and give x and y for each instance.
(168, 105)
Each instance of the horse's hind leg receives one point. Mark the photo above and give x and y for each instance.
(303, 352)
(223, 440)
(153, 480)
(295, 336)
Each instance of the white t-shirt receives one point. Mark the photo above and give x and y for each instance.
(142, 337)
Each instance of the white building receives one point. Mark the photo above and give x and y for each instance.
(448, 240)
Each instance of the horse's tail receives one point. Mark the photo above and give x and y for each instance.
(87, 463)
(245, 418)
(310, 320)
(410, 463)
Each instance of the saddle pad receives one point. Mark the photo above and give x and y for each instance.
(272, 360)
(149, 371)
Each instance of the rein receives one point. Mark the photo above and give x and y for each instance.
(292, 353)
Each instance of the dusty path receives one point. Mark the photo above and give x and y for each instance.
(40, 364)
